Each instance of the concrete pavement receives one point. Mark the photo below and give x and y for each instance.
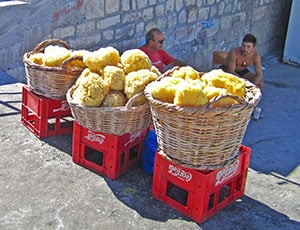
(41, 188)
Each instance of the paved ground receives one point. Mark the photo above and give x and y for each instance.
(41, 188)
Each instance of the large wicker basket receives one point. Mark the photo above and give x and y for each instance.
(51, 82)
(112, 120)
(202, 138)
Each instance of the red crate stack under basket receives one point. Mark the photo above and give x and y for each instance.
(45, 117)
(199, 194)
(107, 154)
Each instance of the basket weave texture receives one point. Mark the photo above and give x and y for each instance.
(112, 120)
(51, 82)
(202, 138)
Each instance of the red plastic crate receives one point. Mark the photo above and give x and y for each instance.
(199, 194)
(107, 154)
(45, 117)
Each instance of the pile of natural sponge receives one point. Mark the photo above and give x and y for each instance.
(187, 88)
(54, 56)
(110, 80)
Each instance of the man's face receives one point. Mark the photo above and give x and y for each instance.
(158, 41)
(247, 47)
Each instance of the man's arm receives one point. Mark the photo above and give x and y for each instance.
(258, 69)
(231, 62)
(177, 62)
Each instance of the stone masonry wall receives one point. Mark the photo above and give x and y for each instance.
(193, 28)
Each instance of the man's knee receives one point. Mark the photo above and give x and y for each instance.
(249, 76)
(261, 85)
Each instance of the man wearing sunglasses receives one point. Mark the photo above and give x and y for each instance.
(158, 56)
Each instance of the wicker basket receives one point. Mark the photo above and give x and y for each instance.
(202, 138)
(112, 120)
(51, 82)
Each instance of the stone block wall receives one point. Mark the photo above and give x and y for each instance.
(193, 28)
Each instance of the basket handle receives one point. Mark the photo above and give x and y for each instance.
(168, 73)
(41, 46)
(70, 59)
(132, 99)
(217, 98)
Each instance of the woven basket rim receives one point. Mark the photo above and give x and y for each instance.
(243, 103)
(125, 108)
(60, 69)
(113, 120)
(40, 47)
(201, 166)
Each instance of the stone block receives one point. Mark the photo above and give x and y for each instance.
(108, 22)
(64, 32)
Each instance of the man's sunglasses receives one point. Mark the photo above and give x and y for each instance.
(161, 41)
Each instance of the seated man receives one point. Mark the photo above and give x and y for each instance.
(153, 48)
(239, 58)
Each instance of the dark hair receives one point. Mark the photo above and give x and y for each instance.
(150, 34)
(250, 38)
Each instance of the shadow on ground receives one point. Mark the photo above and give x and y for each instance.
(10, 107)
(135, 188)
(274, 139)
(61, 142)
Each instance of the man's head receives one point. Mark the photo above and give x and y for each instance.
(155, 39)
(250, 38)
(248, 44)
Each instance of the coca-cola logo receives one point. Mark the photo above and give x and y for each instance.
(227, 172)
(133, 137)
(94, 137)
(64, 107)
(179, 173)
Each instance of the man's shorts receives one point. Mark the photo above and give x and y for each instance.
(243, 72)
(240, 73)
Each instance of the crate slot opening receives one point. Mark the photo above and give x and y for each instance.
(224, 193)
(93, 156)
(66, 122)
(134, 152)
(177, 194)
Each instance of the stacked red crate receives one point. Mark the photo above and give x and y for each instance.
(45, 117)
(107, 154)
(199, 194)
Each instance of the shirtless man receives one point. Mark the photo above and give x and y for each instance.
(239, 58)
(153, 48)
